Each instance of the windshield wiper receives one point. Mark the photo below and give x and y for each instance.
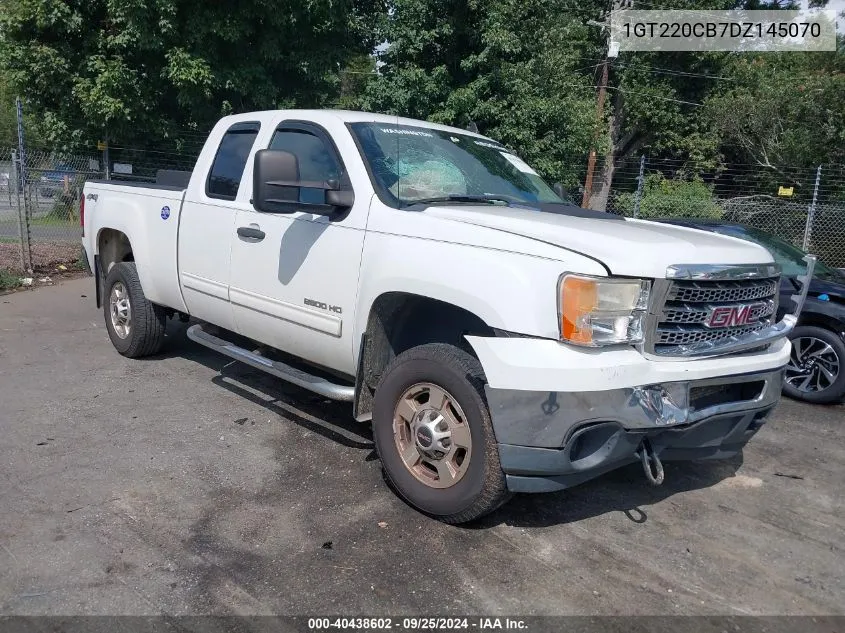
(462, 198)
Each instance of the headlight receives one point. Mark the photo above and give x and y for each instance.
(596, 311)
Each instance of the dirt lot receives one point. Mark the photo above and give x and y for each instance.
(46, 255)
(176, 485)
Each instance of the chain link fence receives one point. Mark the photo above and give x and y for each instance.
(39, 197)
(40, 194)
(39, 208)
(804, 206)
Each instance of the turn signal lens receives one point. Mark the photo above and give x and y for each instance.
(578, 298)
(602, 311)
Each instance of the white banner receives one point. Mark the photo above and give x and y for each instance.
(736, 30)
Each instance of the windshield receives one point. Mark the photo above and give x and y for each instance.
(790, 258)
(411, 165)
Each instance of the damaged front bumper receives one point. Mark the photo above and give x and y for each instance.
(563, 416)
(603, 430)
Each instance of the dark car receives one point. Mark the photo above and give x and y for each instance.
(55, 181)
(816, 370)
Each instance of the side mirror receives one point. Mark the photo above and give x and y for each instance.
(275, 181)
(340, 198)
(564, 195)
(276, 186)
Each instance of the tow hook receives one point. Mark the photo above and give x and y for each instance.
(652, 465)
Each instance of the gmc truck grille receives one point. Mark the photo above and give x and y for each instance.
(695, 317)
(699, 292)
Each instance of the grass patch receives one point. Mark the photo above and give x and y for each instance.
(9, 280)
(52, 220)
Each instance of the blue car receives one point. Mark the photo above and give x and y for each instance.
(52, 182)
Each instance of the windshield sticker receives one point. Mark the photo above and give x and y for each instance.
(405, 132)
(520, 164)
(490, 145)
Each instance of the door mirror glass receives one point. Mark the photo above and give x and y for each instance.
(280, 186)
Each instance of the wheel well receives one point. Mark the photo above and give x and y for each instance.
(821, 320)
(113, 246)
(399, 321)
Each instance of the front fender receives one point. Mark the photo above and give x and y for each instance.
(508, 291)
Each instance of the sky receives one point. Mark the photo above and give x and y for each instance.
(839, 5)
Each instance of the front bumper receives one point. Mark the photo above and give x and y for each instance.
(554, 440)
(563, 415)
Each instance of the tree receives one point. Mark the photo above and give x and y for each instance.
(784, 110)
(522, 71)
(657, 100)
(525, 73)
(134, 70)
(667, 198)
(8, 124)
(654, 101)
(9, 121)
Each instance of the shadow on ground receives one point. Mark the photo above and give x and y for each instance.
(624, 490)
(320, 415)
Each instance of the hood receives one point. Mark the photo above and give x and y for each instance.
(829, 286)
(635, 248)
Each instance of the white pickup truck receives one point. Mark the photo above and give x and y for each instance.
(499, 339)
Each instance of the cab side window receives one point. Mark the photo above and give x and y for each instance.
(317, 161)
(230, 161)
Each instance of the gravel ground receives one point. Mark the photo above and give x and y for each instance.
(46, 255)
(185, 484)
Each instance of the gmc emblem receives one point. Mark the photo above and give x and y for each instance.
(732, 316)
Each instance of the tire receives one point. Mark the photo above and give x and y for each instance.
(474, 484)
(816, 370)
(137, 328)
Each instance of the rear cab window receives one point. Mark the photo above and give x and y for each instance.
(226, 172)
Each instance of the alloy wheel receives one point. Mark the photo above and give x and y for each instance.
(432, 435)
(120, 310)
(813, 365)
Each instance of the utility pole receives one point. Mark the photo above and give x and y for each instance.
(591, 160)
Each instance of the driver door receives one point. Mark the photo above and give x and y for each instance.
(294, 276)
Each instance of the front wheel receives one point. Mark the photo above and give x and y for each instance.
(816, 370)
(433, 432)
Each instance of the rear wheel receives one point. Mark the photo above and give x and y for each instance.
(816, 370)
(135, 325)
(433, 432)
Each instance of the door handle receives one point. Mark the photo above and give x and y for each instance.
(251, 232)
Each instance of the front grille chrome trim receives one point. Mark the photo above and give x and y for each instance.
(687, 291)
(719, 272)
(697, 314)
(730, 343)
(692, 339)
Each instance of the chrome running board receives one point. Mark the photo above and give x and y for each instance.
(279, 370)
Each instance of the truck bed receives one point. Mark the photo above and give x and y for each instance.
(136, 184)
(165, 179)
(149, 213)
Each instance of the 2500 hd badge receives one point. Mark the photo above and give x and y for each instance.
(323, 306)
